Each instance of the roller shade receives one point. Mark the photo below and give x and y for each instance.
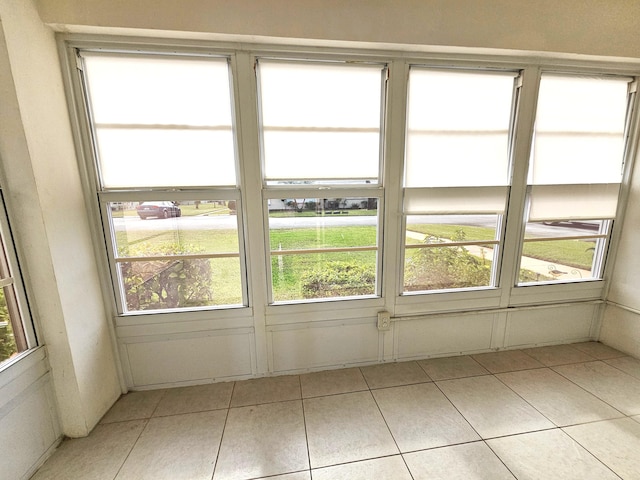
(455, 200)
(573, 202)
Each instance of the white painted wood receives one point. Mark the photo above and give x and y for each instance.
(201, 356)
(326, 345)
(444, 335)
(550, 325)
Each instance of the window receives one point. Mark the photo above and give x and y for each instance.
(574, 177)
(16, 330)
(321, 127)
(457, 176)
(481, 176)
(166, 175)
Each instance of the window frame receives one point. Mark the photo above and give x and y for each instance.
(605, 239)
(18, 307)
(243, 55)
(325, 188)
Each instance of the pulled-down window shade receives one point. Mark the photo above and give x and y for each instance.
(161, 121)
(320, 120)
(455, 200)
(573, 202)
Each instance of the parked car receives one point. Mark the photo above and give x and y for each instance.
(158, 210)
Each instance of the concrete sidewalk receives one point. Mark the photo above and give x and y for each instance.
(541, 267)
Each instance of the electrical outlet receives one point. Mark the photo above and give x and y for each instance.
(384, 320)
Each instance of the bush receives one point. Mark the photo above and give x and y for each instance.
(171, 283)
(446, 267)
(339, 279)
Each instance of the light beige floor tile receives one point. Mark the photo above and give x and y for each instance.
(394, 374)
(506, 361)
(420, 417)
(266, 390)
(179, 447)
(598, 350)
(96, 457)
(134, 406)
(618, 389)
(492, 408)
(263, 440)
(558, 355)
(558, 399)
(616, 443)
(452, 367)
(636, 418)
(386, 468)
(200, 398)
(290, 476)
(628, 365)
(551, 454)
(346, 428)
(332, 382)
(471, 461)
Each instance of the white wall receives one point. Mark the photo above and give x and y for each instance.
(621, 322)
(571, 26)
(48, 215)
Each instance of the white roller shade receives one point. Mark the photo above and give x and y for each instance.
(161, 121)
(458, 128)
(579, 131)
(320, 120)
(452, 200)
(573, 202)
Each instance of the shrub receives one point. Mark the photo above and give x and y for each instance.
(171, 283)
(446, 267)
(339, 279)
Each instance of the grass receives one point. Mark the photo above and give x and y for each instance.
(288, 270)
(572, 253)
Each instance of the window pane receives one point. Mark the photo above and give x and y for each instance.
(435, 265)
(323, 248)
(458, 128)
(551, 251)
(8, 346)
(182, 256)
(161, 121)
(320, 121)
(579, 131)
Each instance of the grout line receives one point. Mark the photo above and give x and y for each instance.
(306, 433)
(224, 427)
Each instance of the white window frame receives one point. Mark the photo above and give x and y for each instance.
(254, 244)
(17, 303)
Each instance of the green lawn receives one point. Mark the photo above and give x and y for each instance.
(573, 253)
(289, 271)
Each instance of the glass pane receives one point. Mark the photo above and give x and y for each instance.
(156, 228)
(181, 283)
(320, 121)
(443, 267)
(323, 275)
(449, 267)
(579, 130)
(458, 128)
(200, 242)
(559, 260)
(450, 228)
(8, 346)
(329, 247)
(547, 257)
(161, 121)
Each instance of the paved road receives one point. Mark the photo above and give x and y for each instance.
(219, 222)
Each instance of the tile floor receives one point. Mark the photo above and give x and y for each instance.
(560, 412)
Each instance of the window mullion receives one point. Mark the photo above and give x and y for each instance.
(524, 120)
